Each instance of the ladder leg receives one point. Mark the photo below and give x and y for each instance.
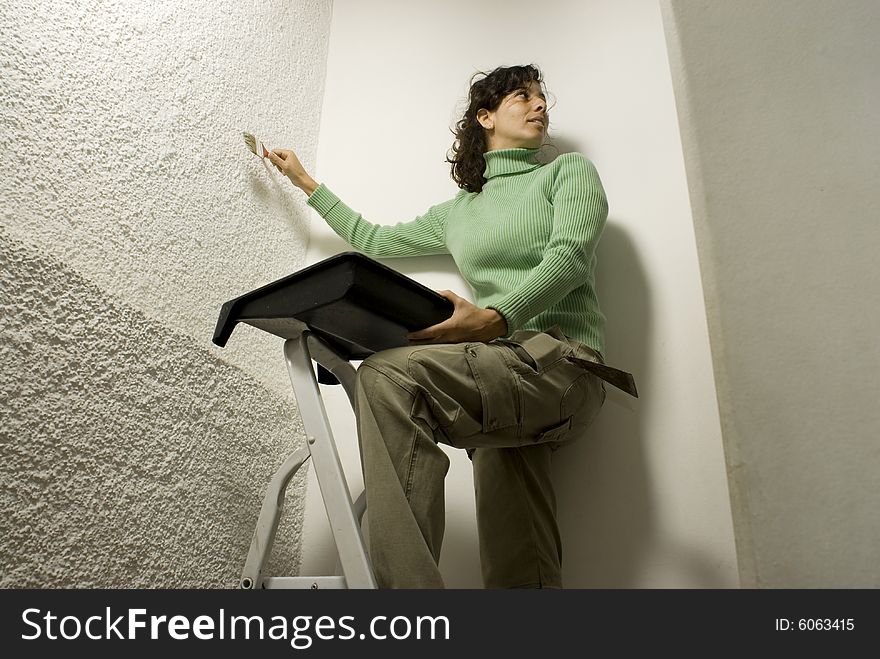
(270, 516)
(346, 531)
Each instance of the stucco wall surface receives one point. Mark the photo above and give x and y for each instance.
(130, 456)
(123, 155)
(134, 452)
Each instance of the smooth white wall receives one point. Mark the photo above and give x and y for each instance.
(778, 109)
(135, 453)
(643, 498)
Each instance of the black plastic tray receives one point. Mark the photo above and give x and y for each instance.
(356, 304)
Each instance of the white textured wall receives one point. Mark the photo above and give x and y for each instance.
(135, 452)
(778, 109)
(643, 499)
(123, 152)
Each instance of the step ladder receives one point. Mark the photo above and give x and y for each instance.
(343, 515)
(345, 307)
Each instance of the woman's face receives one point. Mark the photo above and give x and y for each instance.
(519, 121)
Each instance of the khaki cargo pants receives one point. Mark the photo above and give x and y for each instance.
(511, 402)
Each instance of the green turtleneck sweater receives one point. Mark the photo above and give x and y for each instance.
(526, 243)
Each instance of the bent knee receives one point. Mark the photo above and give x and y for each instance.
(380, 371)
(393, 359)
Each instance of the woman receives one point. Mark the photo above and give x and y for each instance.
(508, 379)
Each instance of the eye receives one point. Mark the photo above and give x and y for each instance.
(522, 92)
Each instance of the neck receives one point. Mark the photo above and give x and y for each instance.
(496, 144)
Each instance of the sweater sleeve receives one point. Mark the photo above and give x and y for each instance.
(422, 236)
(579, 213)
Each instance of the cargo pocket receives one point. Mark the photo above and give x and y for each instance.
(536, 351)
(499, 387)
(547, 378)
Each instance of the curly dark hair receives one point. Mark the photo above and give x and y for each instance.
(467, 160)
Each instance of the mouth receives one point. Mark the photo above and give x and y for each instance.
(539, 122)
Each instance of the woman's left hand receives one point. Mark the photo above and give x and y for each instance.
(467, 323)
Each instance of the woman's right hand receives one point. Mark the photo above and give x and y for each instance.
(289, 165)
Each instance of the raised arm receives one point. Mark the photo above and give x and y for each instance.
(422, 236)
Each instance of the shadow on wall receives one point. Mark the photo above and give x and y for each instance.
(603, 493)
(280, 199)
(605, 508)
(606, 511)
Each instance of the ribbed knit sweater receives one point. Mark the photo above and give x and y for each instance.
(526, 243)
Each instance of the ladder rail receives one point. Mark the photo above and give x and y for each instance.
(333, 485)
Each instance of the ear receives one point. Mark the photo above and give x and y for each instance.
(486, 118)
